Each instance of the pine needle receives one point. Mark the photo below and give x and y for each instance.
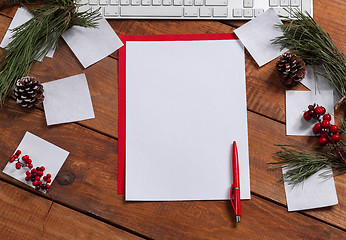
(33, 39)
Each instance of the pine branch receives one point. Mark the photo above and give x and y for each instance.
(301, 164)
(33, 39)
(306, 39)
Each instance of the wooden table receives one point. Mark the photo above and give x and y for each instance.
(86, 203)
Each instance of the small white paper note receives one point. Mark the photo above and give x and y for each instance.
(297, 102)
(314, 192)
(67, 100)
(256, 35)
(22, 16)
(90, 45)
(42, 153)
(316, 82)
(180, 120)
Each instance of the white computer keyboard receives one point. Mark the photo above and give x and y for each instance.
(193, 9)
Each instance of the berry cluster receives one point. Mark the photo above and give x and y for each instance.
(35, 174)
(326, 131)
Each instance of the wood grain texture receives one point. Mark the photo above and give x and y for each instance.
(87, 182)
(22, 215)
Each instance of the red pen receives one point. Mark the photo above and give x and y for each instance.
(235, 188)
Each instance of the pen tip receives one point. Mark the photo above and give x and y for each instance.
(237, 218)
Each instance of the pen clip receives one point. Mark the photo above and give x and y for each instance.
(231, 196)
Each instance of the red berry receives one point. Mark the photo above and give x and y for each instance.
(333, 129)
(39, 183)
(25, 157)
(320, 110)
(18, 152)
(49, 176)
(29, 161)
(37, 178)
(39, 173)
(30, 166)
(11, 159)
(27, 173)
(306, 116)
(317, 128)
(48, 180)
(18, 166)
(327, 117)
(322, 141)
(33, 170)
(323, 134)
(325, 124)
(45, 178)
(47, 186)
(335, 138)
(27, 178)
(43, 168)
(15, 156)
(34, 183)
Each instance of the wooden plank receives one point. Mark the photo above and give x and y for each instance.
(22, 215)
(87, 181)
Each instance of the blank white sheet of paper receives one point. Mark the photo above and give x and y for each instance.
(185, 105)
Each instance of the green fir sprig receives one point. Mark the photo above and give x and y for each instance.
(301, 164)
(305, 38)
(33, 39)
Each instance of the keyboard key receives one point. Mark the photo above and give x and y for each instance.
(111, 11)
(248, 13)
(274, 3)
(135, 2)
(216, 2)
(191, 12)
(93, 2)
(237, 12)
(188, 2)
(151, 11)
(114, 2)
(281, 12)
(284, 3)
(124, 2)
(83, 2)
(103, 2)
(177, 2)
(220, 12)
(295, 3)
(205, 11)
(198, 2)
(157, 2)
(248, 3)
(258, 11)
(166, 2)
(146, 2)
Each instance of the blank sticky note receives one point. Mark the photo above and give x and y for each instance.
(67, 100)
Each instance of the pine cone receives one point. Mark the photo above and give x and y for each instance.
(28, 92)
(291, 69)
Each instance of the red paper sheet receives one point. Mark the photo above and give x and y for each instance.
(122, 86)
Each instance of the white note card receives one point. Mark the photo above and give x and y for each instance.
(314, 192)
(257, 35)
(67, 100)
(42, 153)
(91, 45)
(185, 105)
(22, 16)
(297, 102)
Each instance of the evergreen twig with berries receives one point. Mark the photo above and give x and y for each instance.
(302, 164)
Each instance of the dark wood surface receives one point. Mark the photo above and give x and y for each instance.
(86, 203)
